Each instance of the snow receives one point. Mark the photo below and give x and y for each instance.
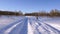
(30, 29)
(9, 30)
(29, 25)
(57, 26)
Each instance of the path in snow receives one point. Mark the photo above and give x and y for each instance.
(29, 26)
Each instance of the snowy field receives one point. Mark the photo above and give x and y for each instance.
(29, 25)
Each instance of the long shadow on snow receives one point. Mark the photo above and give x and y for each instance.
(52, 28)
(36, 31)
(55, 30)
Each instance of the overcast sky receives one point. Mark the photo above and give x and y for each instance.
(29, 5)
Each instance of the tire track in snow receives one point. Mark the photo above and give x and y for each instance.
(29, 26)
(21, 28)
(30, 30)
(34, 26)
(42, 28)
(10, 27)
(49, 28)
(9, 30)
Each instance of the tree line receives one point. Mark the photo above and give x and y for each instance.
(52, 13)
(10, 13)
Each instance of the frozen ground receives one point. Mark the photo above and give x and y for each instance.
(29, 25)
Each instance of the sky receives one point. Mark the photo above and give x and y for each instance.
(28, 6)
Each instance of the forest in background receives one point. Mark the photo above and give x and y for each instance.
(52, 13)
(11, 13)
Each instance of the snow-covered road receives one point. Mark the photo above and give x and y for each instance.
(29, 25)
